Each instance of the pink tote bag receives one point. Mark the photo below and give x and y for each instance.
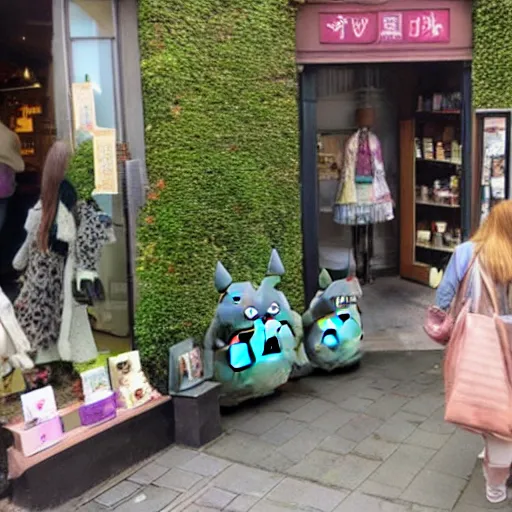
(477, 368)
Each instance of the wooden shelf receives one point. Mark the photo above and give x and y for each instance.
(430, 247)
(437, 205)
(19, 463)
(438, 112)
(433, 160)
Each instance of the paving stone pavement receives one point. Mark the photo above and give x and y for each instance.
(372, 440)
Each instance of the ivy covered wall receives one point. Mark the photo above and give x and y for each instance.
(492, 54)
(219, 92)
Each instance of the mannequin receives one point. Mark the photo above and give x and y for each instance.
(59, 259)
(363, 197)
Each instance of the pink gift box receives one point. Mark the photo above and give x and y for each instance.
(35, 439)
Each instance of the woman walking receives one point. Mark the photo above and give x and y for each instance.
(489, 252)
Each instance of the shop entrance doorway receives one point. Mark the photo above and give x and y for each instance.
(417, 116)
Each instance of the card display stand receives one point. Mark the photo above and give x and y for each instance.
(38, 438)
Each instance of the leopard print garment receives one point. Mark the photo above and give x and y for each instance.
(39, 305)
(92, 235)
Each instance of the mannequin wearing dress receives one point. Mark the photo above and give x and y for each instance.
(363, 197)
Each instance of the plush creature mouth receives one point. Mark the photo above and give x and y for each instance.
(271, 346)
(245, 335)
(337, 329)
(330, 339)
(240, 353)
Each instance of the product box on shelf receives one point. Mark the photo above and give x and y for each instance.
(70, 417)
(102, 406)
(45, 434)
(42, 427)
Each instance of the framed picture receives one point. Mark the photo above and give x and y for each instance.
(498, 167)
(186, 366)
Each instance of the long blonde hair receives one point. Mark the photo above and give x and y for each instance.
(493, 242)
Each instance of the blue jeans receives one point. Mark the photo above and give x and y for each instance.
(3, 211)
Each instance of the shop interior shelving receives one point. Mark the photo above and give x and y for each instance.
(431, 174)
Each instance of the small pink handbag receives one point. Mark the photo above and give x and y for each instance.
(438, 325)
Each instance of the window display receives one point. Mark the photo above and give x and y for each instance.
(44, 425)
(363, 197)
(57, 326)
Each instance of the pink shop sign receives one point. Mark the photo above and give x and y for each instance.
(386, 27)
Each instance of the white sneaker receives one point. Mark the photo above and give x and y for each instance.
(481, 455)
(496, 494)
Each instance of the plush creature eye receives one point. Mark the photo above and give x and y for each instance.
(273, 309)
(251, 313)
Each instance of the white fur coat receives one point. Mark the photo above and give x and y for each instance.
(14, 346)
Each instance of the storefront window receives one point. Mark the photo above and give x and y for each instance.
(92, 60)
(91, 18)
(92, 34)
(93, 51)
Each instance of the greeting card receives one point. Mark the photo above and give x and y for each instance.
(39, 405)
(128, 380)
(94, 380)
(186, 367)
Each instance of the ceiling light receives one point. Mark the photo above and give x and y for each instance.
(23, 79)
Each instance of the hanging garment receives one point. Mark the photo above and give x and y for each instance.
(364, 170)
(363, 196)
(56, 325)
(14, 346)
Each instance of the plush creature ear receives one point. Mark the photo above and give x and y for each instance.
(275, 265)
(270, 282)
(324, 279)
(223, 278)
